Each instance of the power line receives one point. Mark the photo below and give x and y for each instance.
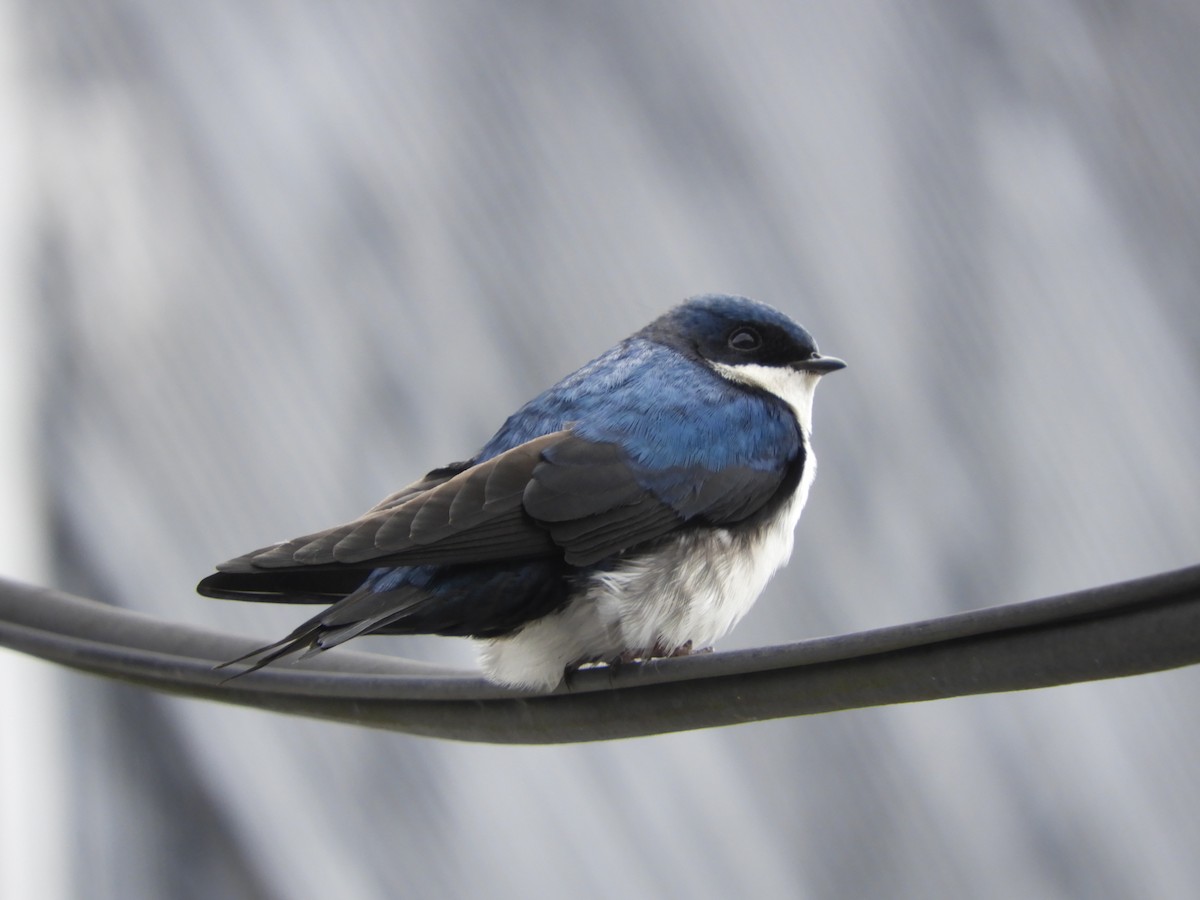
(1133, 627)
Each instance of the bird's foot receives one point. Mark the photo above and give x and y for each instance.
(658, 651)
(661, 651)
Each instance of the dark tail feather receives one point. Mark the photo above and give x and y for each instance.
(317, 634)
(303, 638)
(360, 613)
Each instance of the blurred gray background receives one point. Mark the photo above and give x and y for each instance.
(270, 261)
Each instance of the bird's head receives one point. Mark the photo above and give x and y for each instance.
(749, 343)
(728, 331)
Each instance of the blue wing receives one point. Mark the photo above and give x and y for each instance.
(613, 458)
(619, 454)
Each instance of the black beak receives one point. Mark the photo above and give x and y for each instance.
(821, 365)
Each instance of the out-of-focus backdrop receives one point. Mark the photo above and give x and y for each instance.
(262, 263)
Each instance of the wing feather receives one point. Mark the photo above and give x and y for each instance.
(558, 495)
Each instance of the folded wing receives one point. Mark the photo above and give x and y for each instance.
(558, 496)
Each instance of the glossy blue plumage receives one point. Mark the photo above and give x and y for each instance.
(679, 423)
(695, 425)
(663, 409)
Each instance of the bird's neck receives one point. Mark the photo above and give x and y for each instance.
(793, 387)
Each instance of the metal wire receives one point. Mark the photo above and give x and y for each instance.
(1133, 627)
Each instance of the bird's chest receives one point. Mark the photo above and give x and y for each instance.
(696, 586)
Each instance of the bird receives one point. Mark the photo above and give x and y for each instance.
(634, 510)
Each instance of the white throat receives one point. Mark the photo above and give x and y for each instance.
(792, 386)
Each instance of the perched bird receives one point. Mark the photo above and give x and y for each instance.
(635, 509)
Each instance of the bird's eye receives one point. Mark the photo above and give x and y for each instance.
(744, 339)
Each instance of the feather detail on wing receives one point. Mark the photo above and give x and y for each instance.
(558, 496)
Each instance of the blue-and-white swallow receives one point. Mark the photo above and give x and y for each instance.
(636, 509)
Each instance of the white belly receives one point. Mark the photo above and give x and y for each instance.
(692, 590)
